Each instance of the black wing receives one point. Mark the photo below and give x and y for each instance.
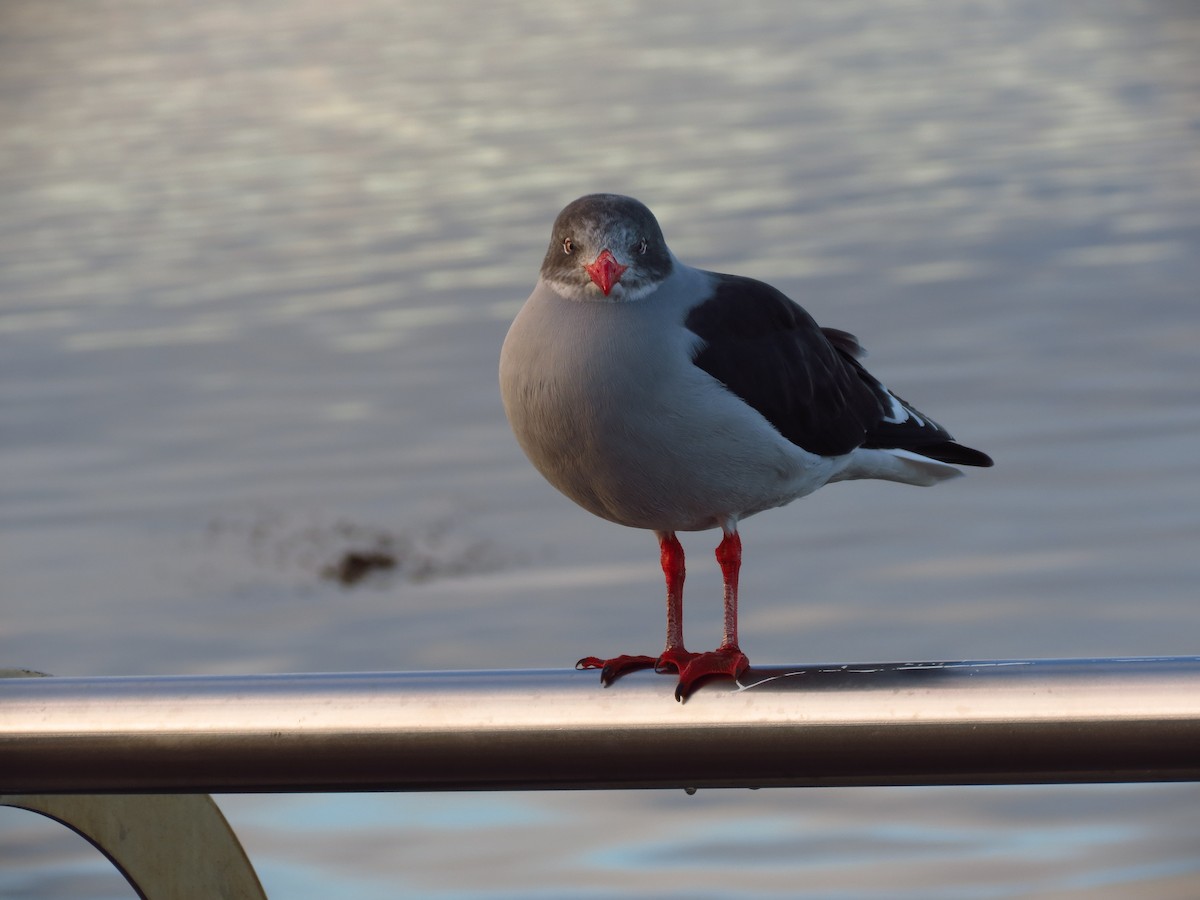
(769, 351)
(805, 380)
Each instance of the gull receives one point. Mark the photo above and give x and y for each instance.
(668, 398)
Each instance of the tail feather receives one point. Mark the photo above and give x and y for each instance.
(903, 466)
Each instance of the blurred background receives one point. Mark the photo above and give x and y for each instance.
(256, 263)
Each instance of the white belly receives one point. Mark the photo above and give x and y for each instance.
(606, 403)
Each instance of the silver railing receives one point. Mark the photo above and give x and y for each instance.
(932, 723)
(891, 723)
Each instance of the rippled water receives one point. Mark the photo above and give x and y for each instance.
(256, 262)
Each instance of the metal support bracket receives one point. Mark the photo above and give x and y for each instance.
(168, 847)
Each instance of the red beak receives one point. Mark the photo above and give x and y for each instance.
(605, 271)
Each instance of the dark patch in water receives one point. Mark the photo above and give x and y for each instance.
(354, 555)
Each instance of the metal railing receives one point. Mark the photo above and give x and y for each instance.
(930, 723)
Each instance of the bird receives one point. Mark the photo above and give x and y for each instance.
(668, 398)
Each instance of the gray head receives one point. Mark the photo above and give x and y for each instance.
(606, 246)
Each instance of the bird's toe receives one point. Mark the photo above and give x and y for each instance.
(614, 668)
(674, 659)
(729, 662)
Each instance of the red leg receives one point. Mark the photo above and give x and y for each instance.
(728, 659)
(729, 558)
(674, 656)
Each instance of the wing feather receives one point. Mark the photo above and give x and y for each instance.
(808, 382)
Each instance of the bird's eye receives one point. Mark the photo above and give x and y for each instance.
(568, 246)
(642, 247)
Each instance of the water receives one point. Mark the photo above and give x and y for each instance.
(256, 263)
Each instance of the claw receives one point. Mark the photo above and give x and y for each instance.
(728, 661)
(612, 669)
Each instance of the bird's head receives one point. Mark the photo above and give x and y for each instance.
(606, 247)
